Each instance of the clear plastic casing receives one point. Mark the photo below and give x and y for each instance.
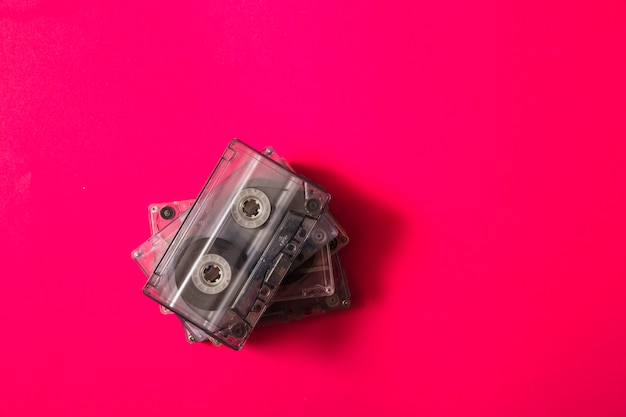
(235, 245)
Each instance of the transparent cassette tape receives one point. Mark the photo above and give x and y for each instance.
(224, 263)
(313, 278)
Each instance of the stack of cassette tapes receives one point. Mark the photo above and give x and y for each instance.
(258, 246)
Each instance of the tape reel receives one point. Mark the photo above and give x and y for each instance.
(205, 270)
(251, 208)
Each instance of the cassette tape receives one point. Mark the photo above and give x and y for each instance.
(241, 236)
(311, 279)
(290, 310)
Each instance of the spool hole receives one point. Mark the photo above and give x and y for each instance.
(251, 208)
(211, 274)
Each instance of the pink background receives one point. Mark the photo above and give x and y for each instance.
(476, 153)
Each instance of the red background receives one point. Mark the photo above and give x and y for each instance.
(475, 150)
